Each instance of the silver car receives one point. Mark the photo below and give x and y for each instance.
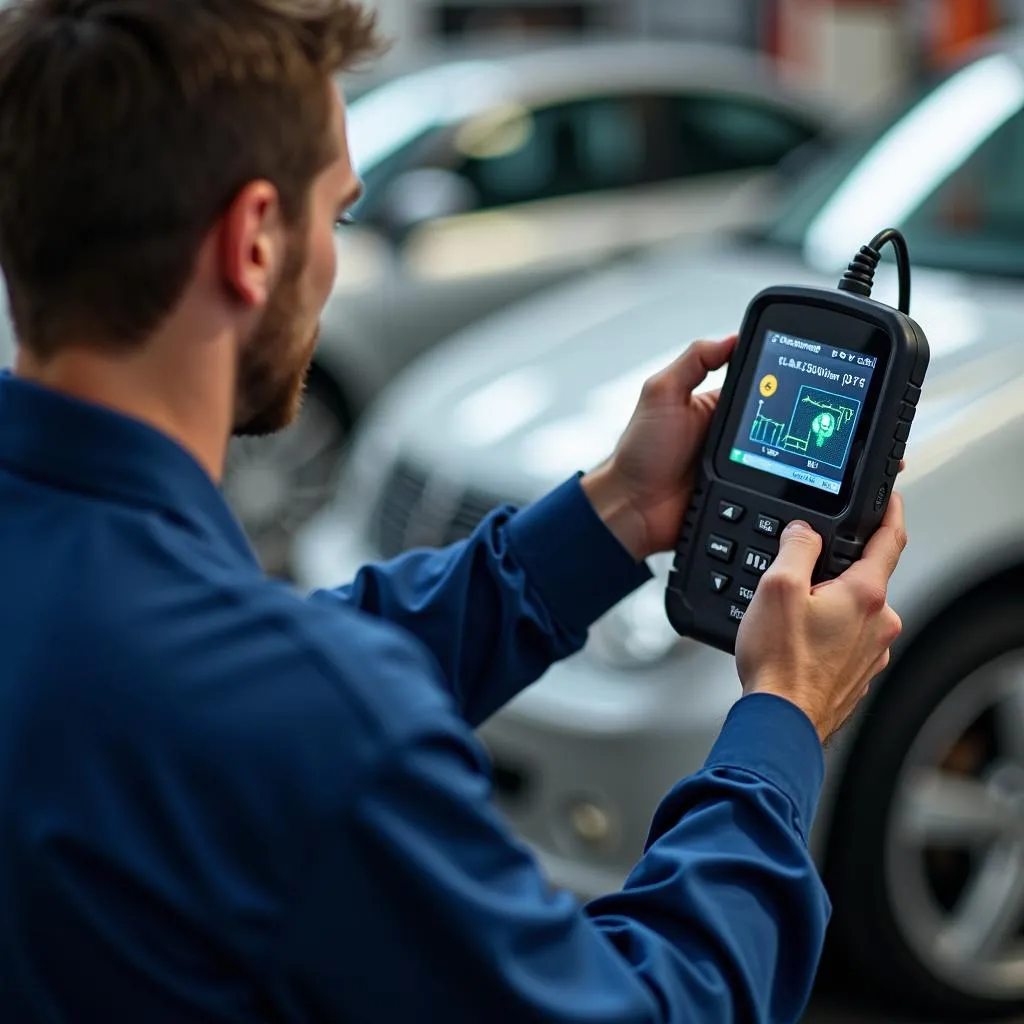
(920, 834)
(493, 177)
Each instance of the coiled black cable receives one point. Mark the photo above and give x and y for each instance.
(860, 274)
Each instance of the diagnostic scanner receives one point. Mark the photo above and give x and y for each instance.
(813, 420)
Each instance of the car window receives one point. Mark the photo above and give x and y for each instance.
(560, 150)
(394, 123)
(977, 212)
(943, 168)
(716, 134)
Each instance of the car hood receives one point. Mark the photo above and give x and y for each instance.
(527, 397)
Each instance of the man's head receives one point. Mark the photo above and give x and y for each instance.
(177, 159)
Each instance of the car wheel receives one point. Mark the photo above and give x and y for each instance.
(926, 859)
(275, 485)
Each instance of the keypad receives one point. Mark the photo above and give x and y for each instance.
(746, 538)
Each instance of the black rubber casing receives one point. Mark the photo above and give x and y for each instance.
(698, 605)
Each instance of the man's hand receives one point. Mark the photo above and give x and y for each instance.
(642, 491)
(820, 647)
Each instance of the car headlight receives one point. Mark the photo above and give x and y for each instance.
(636, 632)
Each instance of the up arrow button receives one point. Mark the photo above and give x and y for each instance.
(730, 511)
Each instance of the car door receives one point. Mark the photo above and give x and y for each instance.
(562, 188)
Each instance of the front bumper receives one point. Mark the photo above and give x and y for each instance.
(584, 756)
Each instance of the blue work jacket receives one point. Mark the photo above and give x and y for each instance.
(223, 801)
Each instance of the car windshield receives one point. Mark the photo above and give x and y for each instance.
(946, 171)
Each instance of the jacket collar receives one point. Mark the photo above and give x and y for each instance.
(75, 445)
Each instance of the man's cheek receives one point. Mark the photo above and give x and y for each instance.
(327, 268)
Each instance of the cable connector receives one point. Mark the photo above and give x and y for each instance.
(860, 274)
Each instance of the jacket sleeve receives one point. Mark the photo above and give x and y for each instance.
(424, 908)
(497, 609)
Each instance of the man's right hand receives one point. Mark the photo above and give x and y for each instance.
(820, 647)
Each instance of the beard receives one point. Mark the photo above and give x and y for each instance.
(274, 363)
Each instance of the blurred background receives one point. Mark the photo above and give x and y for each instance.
(558, 198)
(509, 147)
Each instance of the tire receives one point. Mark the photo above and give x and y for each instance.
(300, 480)
(914, 850)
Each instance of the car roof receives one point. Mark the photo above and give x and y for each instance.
(547, 71)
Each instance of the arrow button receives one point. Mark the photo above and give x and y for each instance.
(730, 511)
(719, 581)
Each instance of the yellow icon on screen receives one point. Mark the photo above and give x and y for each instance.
(769, 385)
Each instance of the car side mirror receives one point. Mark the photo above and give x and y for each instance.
(423, 195)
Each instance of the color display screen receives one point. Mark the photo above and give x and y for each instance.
(802, 411)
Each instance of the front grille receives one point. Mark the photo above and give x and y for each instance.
(395, 506)
(416, 510)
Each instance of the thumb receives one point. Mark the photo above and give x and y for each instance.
(700, 359)
(799, 548)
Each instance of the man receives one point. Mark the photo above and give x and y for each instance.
(222, 802)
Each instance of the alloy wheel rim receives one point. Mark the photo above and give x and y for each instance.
(277, 484)
(955, 841)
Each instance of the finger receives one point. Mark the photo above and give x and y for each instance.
(799, 548)
(700, 359)
(903, 465)
(708, 398)
(883, 551)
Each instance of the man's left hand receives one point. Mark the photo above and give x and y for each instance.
(643, 489)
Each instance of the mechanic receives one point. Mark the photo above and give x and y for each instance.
(223, 801)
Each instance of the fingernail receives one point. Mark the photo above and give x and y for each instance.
(797, 526)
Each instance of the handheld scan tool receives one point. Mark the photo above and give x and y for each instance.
(812, 423)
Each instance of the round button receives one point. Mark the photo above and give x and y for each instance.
(769, 385)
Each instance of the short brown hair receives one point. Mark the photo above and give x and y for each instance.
(128, 126)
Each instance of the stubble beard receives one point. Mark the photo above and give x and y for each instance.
(274, 364)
